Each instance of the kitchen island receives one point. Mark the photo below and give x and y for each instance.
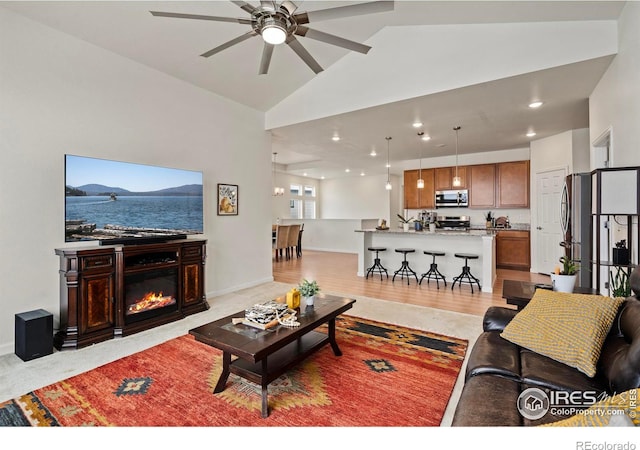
(480, 242)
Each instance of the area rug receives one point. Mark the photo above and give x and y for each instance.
(387, 376)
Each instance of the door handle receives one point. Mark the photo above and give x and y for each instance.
(538, 228)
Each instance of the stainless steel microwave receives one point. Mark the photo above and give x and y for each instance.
(452, 199)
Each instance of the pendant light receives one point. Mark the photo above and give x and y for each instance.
(388, 186)
(457, 181)
(277, 191)
(420, 183)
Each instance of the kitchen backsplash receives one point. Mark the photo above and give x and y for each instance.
(517, 217)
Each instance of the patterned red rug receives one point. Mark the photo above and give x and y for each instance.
(388, 376)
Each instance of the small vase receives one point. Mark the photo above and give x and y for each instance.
(432, 227)
(405, 227)
(309, 300)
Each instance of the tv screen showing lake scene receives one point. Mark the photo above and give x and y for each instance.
(119, 200)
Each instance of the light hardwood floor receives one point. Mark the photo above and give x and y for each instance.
(336, 272)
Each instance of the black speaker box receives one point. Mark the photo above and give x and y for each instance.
(621, 256)
(34, 334)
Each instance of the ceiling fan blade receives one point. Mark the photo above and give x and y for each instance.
(199, 17)
(245, 6)
(302, 52)
(332, 39)
(344, 11)
(267, 51)
(289, 6)
(235, 41)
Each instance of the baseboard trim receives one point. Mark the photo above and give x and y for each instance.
(238, 287)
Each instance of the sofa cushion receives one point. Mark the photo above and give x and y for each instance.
(620, 357)
(569, 328)
(542, 371)
(488, 400)
(492, 354)
(601, 413)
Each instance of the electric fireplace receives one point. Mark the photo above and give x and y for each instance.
(150, 293)
(113, 291)
(150, 284)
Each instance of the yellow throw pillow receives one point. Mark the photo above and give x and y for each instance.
(619, 410)
(569, 328)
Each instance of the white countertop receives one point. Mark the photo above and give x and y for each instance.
(411, 232)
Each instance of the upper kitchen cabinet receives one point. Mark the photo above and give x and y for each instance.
(512, 184)
(415, 198)
(444, 178)
(482, 186)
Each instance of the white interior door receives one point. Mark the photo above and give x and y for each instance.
(548, 230)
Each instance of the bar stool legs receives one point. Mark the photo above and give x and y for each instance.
(405, 270)
(377, 267)
(466, 276)
(433, 272)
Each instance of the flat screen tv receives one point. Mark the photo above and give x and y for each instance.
(119, 202)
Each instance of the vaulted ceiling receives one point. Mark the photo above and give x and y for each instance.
(491, 111)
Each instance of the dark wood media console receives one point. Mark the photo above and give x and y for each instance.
(98, 286)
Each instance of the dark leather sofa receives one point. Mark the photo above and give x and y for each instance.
(498, 371)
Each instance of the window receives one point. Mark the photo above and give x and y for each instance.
(305, 208)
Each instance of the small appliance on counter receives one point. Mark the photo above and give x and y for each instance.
(502, 222)
(458, 223)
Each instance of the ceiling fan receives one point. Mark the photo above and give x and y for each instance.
(278, 22)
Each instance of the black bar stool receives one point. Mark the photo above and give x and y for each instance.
(405, 270)
(377, 267)
(466, 276)
(433, 272)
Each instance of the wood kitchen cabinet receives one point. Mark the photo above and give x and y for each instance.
(482, 186)
(415, 198)
(513, 250)
(444, 178)
(512, 184)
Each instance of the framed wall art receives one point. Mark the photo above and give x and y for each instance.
(227, 199)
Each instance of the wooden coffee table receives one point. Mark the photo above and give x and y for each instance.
(264, 355)
(519, 293)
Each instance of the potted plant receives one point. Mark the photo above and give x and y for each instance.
(620, 286)
(405, 222)
(564, 280)
(308, 289)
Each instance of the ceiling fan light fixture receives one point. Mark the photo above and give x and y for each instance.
(273, 32)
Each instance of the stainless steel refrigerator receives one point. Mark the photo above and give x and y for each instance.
(575, 218)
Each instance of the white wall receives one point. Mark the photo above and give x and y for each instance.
(61, 95)
(355, 198)
(615, 102)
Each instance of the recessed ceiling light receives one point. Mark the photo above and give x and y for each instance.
(361, 174)
(426, 137)
(304, 174)
(373, 153)
(347, 170)
(335, 138)
(531, 134)
(388, 165)
(322, 177)
(536, 104)
(417, 124)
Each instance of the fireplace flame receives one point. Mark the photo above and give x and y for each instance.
(151, 300)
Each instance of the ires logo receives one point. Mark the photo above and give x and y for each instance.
(534, 403)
